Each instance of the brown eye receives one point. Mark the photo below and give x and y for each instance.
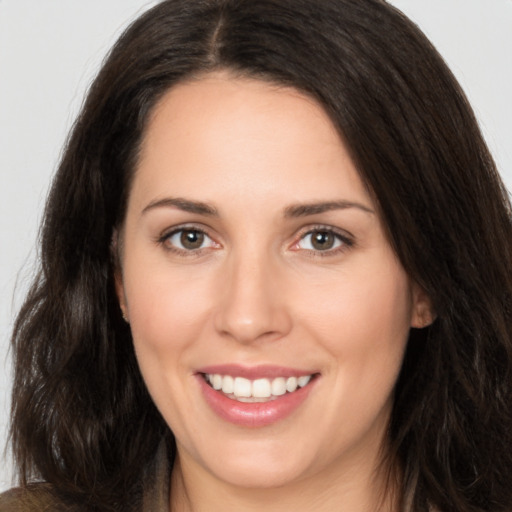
(188, 239)
(191, 239)
(322, 240)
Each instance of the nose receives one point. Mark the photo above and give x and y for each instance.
(252, 305)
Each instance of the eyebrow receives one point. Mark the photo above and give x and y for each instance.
(304, 210)
(185, 205)
(292, 211)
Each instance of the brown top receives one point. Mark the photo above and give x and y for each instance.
(39, 497)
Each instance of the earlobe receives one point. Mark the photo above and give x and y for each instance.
(118, 275)
(124, 314)
(118, 278)
(423, 314)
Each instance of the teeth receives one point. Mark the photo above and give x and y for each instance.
(242, 387)
(245, 389)
(302, 381)
(261, 388)
(228, 384)
(291, 384)
(279, 386)
(216, 381)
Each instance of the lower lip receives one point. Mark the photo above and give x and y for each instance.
(253, 414)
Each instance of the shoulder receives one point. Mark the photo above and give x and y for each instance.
(38, 497)
(152, 494)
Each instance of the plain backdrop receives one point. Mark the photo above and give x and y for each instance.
(51, 49)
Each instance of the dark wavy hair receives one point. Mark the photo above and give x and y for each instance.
(81, 416)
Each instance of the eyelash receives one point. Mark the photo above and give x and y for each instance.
(165, 238)
(345, 240)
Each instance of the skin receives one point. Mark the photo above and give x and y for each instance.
(258, 292)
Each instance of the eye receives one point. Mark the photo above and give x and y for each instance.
(187, 239)
(322, 240)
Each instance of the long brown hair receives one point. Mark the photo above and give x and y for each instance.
(81, 416)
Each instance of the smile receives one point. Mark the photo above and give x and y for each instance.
(256, 396)
(258, 390)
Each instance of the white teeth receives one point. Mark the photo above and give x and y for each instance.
(302, 381)
(261, 388)
(245, 389)
(291, 384)
(279, 386)
(228, 384)
(242, 387)
(216, 382)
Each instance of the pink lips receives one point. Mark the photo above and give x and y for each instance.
(253, 414)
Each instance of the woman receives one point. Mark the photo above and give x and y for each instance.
(276, 273)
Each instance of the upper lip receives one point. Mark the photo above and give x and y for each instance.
(262, 371)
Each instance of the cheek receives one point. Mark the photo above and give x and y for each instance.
(363, 321)
(168, 312)
(363, 324)
(167, 309)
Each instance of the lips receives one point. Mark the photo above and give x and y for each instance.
(257, 396)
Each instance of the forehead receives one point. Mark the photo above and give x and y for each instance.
(224, 135)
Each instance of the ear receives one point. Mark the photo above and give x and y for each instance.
(115, 250)
(422, 311)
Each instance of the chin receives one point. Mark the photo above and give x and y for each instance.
(258, 464)
(248, 475)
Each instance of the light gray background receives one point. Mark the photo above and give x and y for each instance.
(51, 49)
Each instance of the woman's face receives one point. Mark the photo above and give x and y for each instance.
(254, 261)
